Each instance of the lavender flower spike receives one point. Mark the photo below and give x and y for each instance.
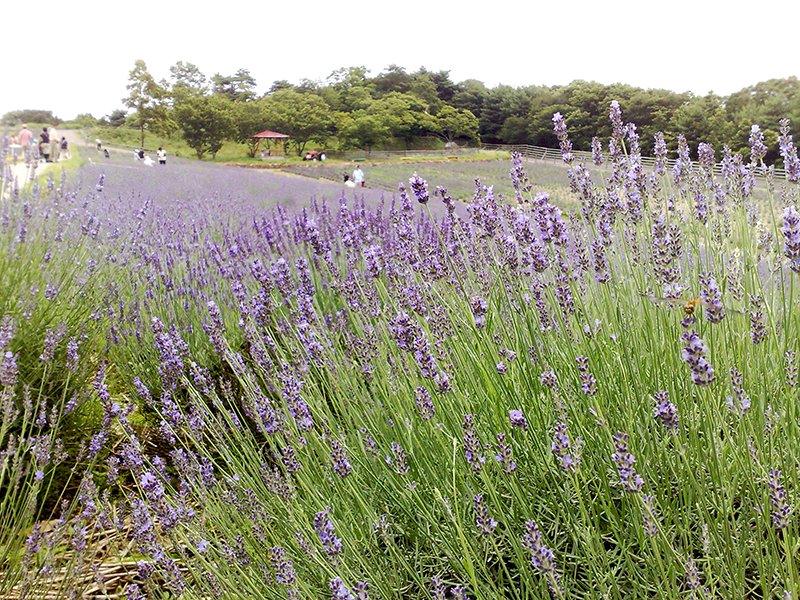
(666, 412)
(791, 234)
(518, 419)
(777, 496)
(484, 521)
(694, 355)
(420, 188)
(624, 460)
(543, 558)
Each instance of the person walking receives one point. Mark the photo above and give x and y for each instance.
(25, 137)
(44, 145)
(162, 156)
(358, 177)
(55, 143)
(64, 149)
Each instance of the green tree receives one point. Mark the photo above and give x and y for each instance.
(348, 89)
(239, 87)
(393, 79)
(470, 95)
(117, 118)
(651, 110)
(703, 119)
(149, 101)
(445, 88)
(499, 104)
(206, 122)
(250, 118)
(303, 117)
(453, 123)
(405, 115)
(84, 121)
(18, 117)
(361, 129)
(187, 82)
(515, 130)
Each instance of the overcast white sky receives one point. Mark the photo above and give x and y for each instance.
(679, 45)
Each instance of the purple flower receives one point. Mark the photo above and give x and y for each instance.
(739, 403)
(459, 592)
(420, 188)
(72, 355)
(438, 589)
(285, 573)
(398, 459)
(542, 557)
(597, 151)
(567, 454)
(341, 464)
(8, 369)
(660, 153)
(631, 480)
(666, 412)
(485, 523)
(789, 153)
(758, 150)
(694, 355)
(381, 528)
(447, 200)
(548, 379)
(692, 575)
(330, 543)
(649, 518)
(339, 590)
(370, 444)
(615, 114)
(472, 447)
(588, 382)
(781, 511)
(519, 178)
(791, 234)
(424, 404)
(479, 309)
(503, 455)
(712, 296)
(517, 419)
(560, 127)
(51, 340)
(790, 368)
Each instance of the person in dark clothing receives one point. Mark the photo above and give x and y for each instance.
(44, 144)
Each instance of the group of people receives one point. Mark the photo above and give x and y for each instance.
(356, 179)
(51, 145)
(161, 154)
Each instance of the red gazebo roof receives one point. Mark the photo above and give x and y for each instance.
(269, 134)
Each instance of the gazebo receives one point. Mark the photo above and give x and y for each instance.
(270, 136)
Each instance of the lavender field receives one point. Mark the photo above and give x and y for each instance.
(210, 389)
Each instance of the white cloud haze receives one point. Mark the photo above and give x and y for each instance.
(683, 45)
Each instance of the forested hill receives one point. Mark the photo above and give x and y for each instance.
(396, 107)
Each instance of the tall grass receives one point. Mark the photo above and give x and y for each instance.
(351, 401)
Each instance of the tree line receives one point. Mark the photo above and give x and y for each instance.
(396, 108)
(356, 110)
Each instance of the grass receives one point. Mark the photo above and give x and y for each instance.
(280, 398)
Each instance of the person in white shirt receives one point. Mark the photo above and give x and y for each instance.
(358, 177)
(162, 156)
